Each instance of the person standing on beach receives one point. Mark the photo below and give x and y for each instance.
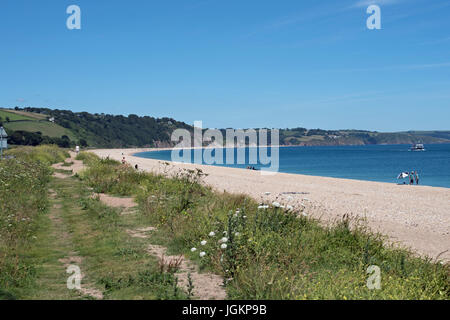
(411, 178)
(416, 175)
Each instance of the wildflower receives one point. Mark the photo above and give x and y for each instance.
(203, 242)
(202, 254)
(223, 246)
(276, 204)
(263, 207)
(193, 249)
(237, 234)
(223, 240)
(212, 234)
(289, 207)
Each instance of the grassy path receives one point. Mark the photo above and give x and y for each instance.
(55, 248)
(80, 230)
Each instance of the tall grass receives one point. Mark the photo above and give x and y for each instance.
(45, 154)
(23, 197)
(270, 253)
(109, 176)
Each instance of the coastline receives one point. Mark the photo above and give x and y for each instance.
(415, 217)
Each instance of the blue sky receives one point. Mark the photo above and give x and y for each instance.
(234, 63)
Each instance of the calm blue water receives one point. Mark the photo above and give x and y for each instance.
(373, 163)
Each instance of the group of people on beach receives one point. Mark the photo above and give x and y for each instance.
(413, 176)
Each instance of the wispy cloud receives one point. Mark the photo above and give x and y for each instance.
(398, 67)
(315, 15)
(366, 3)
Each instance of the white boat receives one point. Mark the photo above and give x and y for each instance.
(417, 147)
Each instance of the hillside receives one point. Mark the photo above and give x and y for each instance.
(305, 137)
(31, 126)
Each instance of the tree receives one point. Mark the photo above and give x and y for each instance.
(83, 143)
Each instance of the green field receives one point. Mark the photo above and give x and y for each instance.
(45, 127)
(13, 116)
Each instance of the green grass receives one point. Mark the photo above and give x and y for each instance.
(273, 253)
(46, 154)
(13, 116)
(28, 115)
(71, 223)
(23, 194)
(45, 127)
(113, 261)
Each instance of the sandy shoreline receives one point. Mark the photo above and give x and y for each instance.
(417, 217)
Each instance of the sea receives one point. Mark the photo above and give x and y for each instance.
(381, 163)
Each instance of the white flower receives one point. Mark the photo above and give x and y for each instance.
(193, 249)
(225, 233)
(212, 234)
(244, 217)
(263, 207)
(223, 246)
(237, 234)
(276, 204)
(289, 207)
(203, 242)
(202, 254)
(223, 240)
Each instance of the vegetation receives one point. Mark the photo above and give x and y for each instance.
(40, 233)
(46, 154)
(7, 116)
(262, 252)
(45, 128)
(102, 130)
(23, 193)
(318, 137)
(268, 252)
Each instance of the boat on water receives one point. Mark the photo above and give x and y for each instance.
(417, 147)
